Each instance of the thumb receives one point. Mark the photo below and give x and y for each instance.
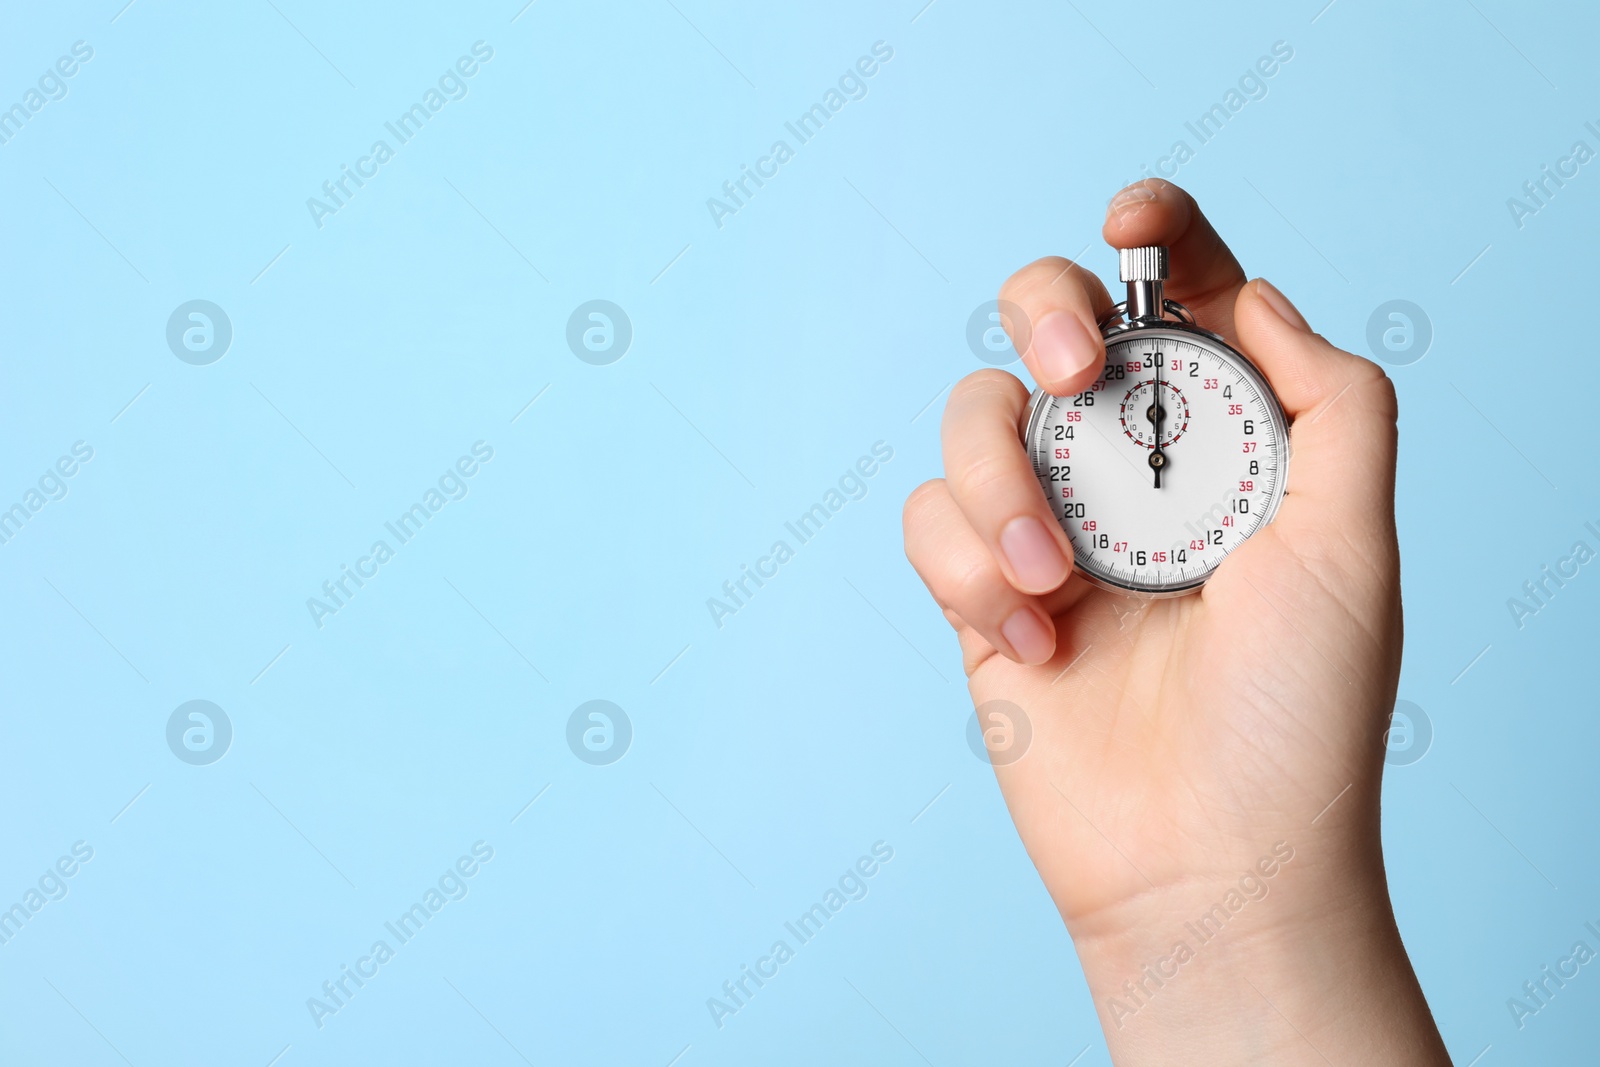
(1342, 413)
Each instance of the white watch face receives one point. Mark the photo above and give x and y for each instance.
(1166, 464)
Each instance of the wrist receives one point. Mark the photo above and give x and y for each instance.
(1290, 957)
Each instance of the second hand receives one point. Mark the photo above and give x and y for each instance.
(1158, 458)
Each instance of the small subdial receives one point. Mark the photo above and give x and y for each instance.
(1140, 413)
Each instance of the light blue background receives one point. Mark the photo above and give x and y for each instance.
(828, 314)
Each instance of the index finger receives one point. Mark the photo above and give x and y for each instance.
(1060, 305)
(1205, 277)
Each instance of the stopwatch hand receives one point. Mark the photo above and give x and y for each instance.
(1158, 458)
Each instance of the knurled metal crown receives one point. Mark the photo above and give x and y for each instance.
(1143, 264)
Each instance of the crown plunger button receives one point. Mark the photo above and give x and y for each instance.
(1144, 269)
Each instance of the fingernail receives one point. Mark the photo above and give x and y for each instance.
(1280, 304)
(1028, 636)
(1062, 347)
(1133, 194)
(1035, 558)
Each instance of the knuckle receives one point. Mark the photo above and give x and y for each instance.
(1030, 278)
(971, 583)
(1051, 283)
(1383, 398)
(986, 474)
(983, 383)
(1376, 389)
(922, 498)
(1364, 371)
(982, 388)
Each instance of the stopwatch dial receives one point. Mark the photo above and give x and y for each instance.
(1224, 442)
(1142, 410)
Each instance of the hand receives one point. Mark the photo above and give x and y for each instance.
(1179, 744)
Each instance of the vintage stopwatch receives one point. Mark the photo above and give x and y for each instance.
(1175, 455)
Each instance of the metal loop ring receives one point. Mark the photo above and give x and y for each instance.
(1172, 307)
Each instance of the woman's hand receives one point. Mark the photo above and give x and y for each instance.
(1200, 794)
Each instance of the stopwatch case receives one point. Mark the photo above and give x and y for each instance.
(1039, 403)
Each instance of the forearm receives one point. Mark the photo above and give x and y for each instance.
(1311, 971)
